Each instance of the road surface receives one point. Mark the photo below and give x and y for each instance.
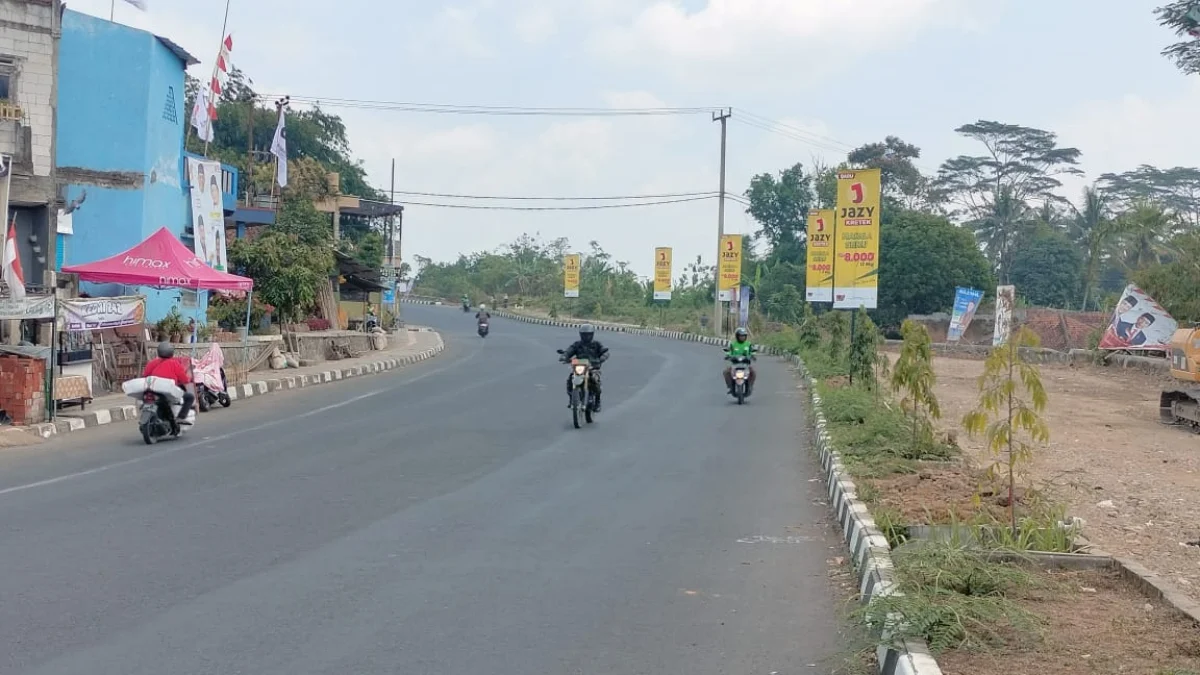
(443, 519)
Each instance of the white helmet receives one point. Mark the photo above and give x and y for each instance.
(482, 306)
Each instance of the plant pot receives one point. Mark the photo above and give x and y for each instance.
(177, 338)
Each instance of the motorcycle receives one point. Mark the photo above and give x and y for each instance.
(466, 306)
(582, 399)
(741, 377)
(483, 330)
(209, 377)
(161, 401)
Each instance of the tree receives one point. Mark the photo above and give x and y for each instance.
(289, 261)
(864, 355)
(902, 182)
(1008, 415)
(1146, 230)
(1048, 267)
(781, 205)
(786, 305)
(926, 258)
(913, 377)
(1094, 230)
(1176, 284)
(1176, 189)
(993, 191)
(1183, 18)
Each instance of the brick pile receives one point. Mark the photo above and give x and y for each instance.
(23, 389)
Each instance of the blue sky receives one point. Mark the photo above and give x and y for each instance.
(844, 72)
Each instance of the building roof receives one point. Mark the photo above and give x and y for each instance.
(188, 59)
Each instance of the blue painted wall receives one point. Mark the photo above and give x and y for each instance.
(128, 117)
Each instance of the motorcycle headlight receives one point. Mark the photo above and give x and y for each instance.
(740, 374)
(579, 370)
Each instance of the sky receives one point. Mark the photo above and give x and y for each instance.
(835, 74)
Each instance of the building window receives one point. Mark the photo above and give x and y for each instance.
(8, 79)
(226, 181)
(189, 299)
(169, 113)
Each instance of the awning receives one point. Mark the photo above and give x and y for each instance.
(161, 261)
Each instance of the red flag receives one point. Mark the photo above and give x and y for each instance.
(11, 259)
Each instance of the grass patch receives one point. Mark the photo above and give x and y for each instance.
(873, 435)
(952, 597)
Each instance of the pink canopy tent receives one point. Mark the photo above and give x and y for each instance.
(162, 261)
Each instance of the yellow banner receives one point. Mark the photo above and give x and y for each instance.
(730, 265)
(662, 273)
(571, 275)
(818, 280)
(856, 246)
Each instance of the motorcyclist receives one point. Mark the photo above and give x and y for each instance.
(168, 367)
(466, 302)
(739, 346)
(482, 316)
(589, 348)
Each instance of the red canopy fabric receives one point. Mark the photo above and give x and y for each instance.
(161, 260)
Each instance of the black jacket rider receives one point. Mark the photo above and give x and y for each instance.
(587, 347)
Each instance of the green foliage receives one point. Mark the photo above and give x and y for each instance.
(1008, 415)
(781, 205)
(836, 330)
(953, 597)
(808, 334)
(289, 261)
(864, 356)
(1182, 17)
(786, 305)
(913, 378)
(872, 436)
(1049, 270)
(926, 257)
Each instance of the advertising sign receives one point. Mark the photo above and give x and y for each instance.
(1006, 300)
(27, 307)
(818, 279)
(744, 306)
(966, 301)
(208, 211)
(80, 314)
(571, 275)
(1138, 323)
(662, 273)
(730, 265)
(856, 246)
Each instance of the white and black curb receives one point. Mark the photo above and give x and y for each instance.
(122, 413)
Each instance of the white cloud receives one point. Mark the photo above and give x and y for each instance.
(741, 36)
(453, 31)
(1121, 133)
(536, 26)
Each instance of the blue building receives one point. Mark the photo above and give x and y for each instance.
(120, 150)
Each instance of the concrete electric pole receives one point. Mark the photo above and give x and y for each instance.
(718, 316)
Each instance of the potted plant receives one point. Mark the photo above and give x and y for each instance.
(172, 327)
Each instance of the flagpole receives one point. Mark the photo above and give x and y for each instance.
(112, 10)
(220, 46)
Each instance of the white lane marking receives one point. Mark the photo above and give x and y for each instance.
(211, 439)
(763, 539)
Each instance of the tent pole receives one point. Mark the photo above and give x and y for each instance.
(246, 338)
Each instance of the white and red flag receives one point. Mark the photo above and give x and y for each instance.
(14, 278)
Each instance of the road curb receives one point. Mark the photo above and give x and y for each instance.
(122, 413)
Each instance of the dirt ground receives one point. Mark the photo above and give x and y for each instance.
(1099, 625)
(1134, 481)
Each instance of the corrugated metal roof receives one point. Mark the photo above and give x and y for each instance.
(182, 53)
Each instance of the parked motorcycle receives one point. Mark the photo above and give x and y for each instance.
(741, 377)
(483, 330)
(582, 399)
(161, 400)
(209, 376)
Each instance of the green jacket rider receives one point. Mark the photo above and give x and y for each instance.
(739, 346)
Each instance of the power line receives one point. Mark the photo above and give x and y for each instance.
(525, 111)
(668, 195)
(590, 207)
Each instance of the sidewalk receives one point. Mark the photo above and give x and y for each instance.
(423, 343)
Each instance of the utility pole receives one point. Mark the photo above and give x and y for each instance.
(718, 317)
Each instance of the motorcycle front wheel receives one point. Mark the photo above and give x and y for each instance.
(146, 434)
(575, 408)
(202, 400)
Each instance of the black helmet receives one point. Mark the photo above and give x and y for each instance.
(586, 333)
(165, 350)
(741, 334)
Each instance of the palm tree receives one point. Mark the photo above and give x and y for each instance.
(998, 230)
(1146, 230)
(1095, 230)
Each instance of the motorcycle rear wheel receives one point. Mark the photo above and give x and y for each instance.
(224, 400)
(146, 435)
(202, 401)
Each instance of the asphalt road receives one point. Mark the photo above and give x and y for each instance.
(443, 519)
